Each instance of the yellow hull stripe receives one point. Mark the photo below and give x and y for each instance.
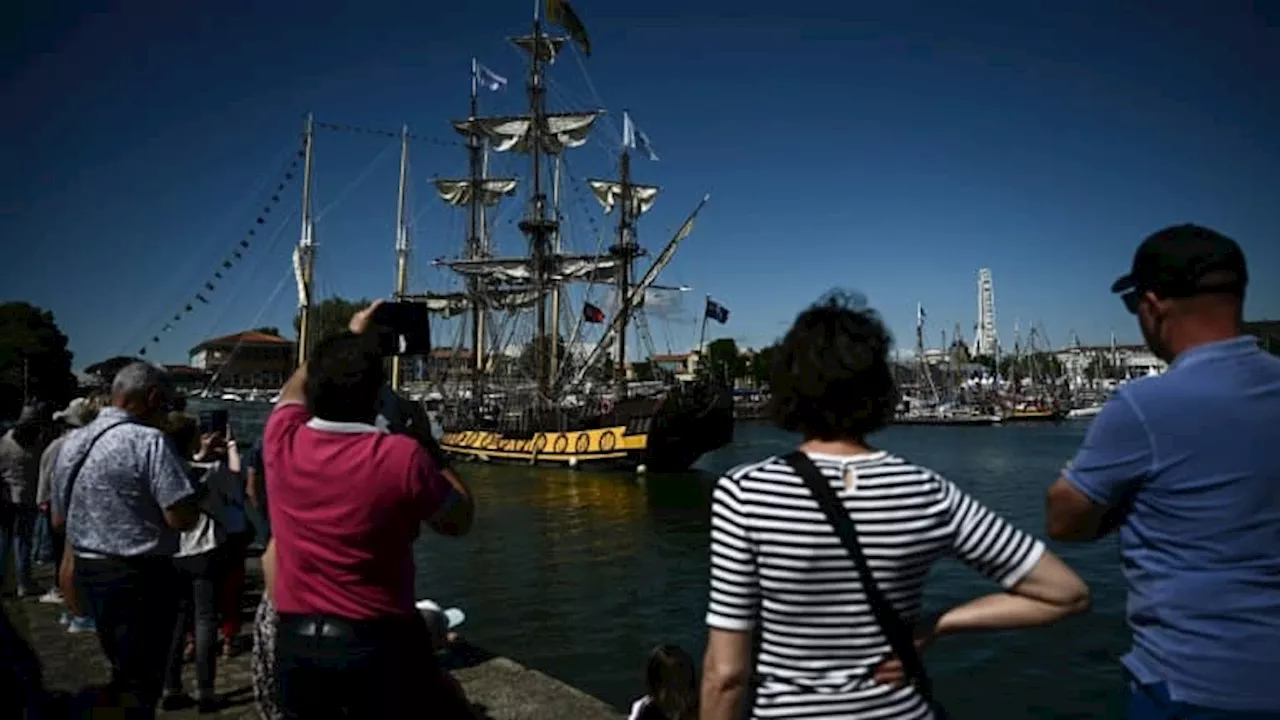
(576, 445)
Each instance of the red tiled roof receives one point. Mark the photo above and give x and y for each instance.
(249, 337)
(679, 357)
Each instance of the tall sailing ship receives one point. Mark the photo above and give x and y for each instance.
(560, 403)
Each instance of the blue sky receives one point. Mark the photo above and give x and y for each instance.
(890, 148)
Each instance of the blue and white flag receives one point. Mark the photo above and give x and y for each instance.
(481, 75)
(633, 137)
(919, 315)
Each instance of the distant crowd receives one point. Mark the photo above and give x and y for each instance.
(818, 557)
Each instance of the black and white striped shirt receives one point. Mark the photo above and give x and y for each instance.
(775, 557)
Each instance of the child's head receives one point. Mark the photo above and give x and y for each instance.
(672, 682)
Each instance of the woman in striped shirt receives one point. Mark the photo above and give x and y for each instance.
(776, 561)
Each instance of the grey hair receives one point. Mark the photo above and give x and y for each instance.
(138, 379)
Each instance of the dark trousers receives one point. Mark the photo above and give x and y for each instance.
(17, 535)
(59, 540)
(133, 602)
(331, 668)
(197, 602)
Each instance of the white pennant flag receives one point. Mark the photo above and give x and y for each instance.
(484, 76)
(633, 136)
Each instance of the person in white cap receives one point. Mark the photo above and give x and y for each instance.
(78, 413)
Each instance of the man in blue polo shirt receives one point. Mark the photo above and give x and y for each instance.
(1186, 465)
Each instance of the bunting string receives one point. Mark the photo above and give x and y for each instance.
(385, 133)
(232, 259)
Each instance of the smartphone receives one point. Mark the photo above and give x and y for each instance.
(404, 328)
(213, 421)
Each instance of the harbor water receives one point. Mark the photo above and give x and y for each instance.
(580, 574)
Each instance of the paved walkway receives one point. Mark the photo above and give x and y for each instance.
(499, 688)
(73, 661)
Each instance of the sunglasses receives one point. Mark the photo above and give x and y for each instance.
(1132, 300)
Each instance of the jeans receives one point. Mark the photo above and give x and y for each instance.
(329, 667)
(17, 533)
(197, 601)
(42, 546)
(133, 602)
(1152, 702)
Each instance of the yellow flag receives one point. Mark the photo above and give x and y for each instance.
(561, 13)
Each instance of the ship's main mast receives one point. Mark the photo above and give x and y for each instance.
(537, 226)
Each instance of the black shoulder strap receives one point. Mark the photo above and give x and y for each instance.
(901, 637)
(75, 469)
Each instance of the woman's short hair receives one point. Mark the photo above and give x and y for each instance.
(832, 378)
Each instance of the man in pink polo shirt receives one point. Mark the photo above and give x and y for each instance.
(347, 502)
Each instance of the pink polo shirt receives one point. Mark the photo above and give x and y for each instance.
(346, 503)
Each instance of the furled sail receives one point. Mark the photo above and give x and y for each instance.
(564, 268)
(549, 48)
(452, 304)
(560, 130)
(458, 192)
(609, 193)
(304, 298)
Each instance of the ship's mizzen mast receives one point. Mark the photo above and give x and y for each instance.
(304, 254)
(402, 244)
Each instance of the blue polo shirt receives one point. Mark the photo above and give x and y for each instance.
(1195, 454)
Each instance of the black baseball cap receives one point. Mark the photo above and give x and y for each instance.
(1185, 260)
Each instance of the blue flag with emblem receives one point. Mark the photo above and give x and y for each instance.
(717, 312)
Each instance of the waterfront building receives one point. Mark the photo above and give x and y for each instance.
(250, 359)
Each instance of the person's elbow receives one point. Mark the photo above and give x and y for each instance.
(182, 516)
(1056, 586)
(723, 678)
(1070, 516)
(457, 520)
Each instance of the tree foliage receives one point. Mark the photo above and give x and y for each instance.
(329, 317)
(724, 363)
(760, 366)
(269, 330)
(530, 356)
(34, 354)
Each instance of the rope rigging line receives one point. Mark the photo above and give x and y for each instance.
(231, 260)
(351, 185)
(271, 299)
(342, 127)
(272, 242)
(184, 277)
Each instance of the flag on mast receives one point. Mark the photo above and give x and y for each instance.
(717, 312)
(481, 75)
(559, 12)
(592, 314)
(633, 137)
(919, 315)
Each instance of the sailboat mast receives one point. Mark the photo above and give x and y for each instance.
(306, 245)
(402, 244)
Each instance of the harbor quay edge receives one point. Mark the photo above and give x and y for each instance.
(500, 688)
